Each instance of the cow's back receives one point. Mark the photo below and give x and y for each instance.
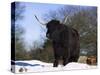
(70, 40)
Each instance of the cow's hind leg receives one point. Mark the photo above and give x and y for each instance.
(65, 61)
(66, 56)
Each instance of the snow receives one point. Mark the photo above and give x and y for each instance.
(39, 66)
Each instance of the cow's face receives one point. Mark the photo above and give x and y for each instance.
(51, 27)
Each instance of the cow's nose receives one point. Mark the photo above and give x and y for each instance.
(47, 35)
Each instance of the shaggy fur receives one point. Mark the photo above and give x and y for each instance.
(65, 41)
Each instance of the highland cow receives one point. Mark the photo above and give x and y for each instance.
(65, 41)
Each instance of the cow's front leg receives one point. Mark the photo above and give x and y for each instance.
(56, 61)
(55, 64)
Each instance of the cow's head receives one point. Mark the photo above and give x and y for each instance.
(51, 26)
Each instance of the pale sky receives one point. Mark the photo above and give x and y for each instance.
(30, 24)
(33, 30)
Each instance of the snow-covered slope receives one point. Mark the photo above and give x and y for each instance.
(39, 66)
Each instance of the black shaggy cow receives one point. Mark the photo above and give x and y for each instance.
(65, 42)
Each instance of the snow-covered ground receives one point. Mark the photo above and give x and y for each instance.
(39, 66)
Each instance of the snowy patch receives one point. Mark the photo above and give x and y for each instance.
(39, 66)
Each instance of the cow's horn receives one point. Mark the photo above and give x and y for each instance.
(65, 19)
(39, 20)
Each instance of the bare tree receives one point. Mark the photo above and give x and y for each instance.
(82, 18)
